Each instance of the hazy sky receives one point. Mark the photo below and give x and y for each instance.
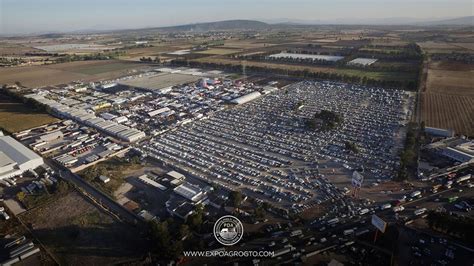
(26, 16)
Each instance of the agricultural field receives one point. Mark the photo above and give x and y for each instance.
(244, 44)
(14, 49)
(37, 76)
(217, 51)
(97, 68)
(134, 54)
(448, 100)
(16, 117)
(83, 234)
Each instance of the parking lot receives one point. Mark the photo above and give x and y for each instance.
(264, 146)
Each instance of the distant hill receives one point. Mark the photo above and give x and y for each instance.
(220, 25)
(455, 21)
(461, 21)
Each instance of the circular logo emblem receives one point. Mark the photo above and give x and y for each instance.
(228, 230)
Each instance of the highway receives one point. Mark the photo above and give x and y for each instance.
(311, 244)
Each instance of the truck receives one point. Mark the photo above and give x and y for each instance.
(415, 194)
(420, 211)
(348, 232)
(398, 208)
(463, 178)
(296, 233)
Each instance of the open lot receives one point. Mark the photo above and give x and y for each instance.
(36, 76)
(448, 101)
(82, 234)
(16, 117)
(160, 81)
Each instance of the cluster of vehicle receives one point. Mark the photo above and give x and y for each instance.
(19, 249)
(422, 249)
(244, 146)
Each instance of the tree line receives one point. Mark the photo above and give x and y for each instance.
(460, 227)
(303, 74)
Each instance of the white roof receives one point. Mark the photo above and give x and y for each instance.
(247, 98)
(362, 61)
(188, 191)
(175, 175)
(16, 151)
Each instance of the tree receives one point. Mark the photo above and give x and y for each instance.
(21, 196)
(236, 198)
(260, 212)
(63, 187)
(161, 238)
(351, 146)
(195, 220)
(135, 160)
(183, 231)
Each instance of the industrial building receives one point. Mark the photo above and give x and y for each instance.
(439, 132)
(180, 209)
(462, 153)
(362, 61)
(82, 116)
(15, 158)
(246, 98)
(190, 192)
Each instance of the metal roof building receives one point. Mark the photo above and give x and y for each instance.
(246, 98)
(189, 191)
(15, 158)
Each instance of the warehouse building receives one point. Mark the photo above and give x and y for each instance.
(190, 192)
(439, 132)
(15, 158)
(246, 98)
(462, 153)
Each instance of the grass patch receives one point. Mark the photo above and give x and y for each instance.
(16, 117)
(90, 218)
(116, 169)
(48, 194)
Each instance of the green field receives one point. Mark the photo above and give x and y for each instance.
(16, 117)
